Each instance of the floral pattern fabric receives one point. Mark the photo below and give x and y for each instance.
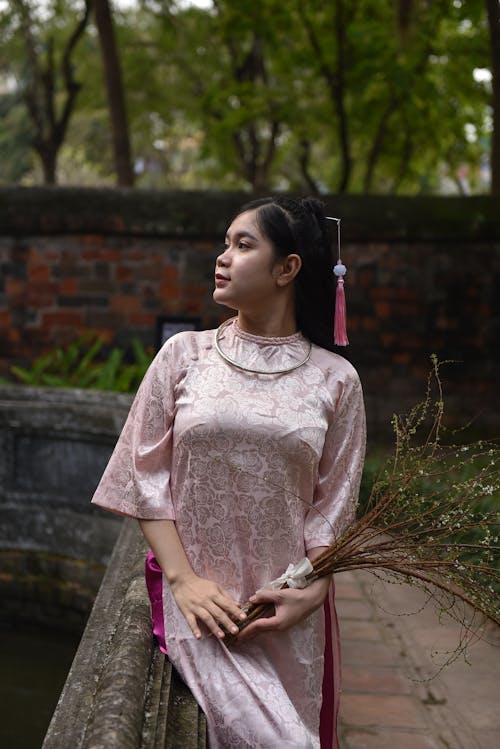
(255, 470)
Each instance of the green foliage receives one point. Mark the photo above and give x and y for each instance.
(16, 156)
(270, 95)
(81, 365)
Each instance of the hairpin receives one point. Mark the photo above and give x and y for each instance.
(340, 331)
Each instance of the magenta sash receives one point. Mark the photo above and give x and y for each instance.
(332, 669)
(154, 584)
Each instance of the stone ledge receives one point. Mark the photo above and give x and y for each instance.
(121, 692)
(64, 411)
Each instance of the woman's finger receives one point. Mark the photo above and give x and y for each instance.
(229, 605)
(209, 621)
(266, 624)
(193, 625)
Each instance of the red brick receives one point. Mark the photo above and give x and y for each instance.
(381, 710)
(169, 275)
(359, 630)
(383, 293)
(126, 303)
(5, 318)
(169, 291)
(210, 246)
(408, 293)
(382, 309)
(13, 335)
(370, 324)
(388, 339)
(93, 239)
(374, 679)
(39, 273)
(41, 295)
(92, 254)
(347, 588)
(135, 256)
(365, 652)
(61, 319)
(102, 320)
(123, 273)
(192, 306)
(349, 609)
(401, 358)
(142, 319)
(193, 291)
(68, 287)
(15, 287)
(390, 739)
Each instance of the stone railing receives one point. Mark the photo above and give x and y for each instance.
(121, 691)
(54, 545)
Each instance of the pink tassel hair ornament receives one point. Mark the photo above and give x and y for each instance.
(339, 330)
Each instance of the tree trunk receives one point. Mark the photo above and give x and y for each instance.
(304, 159)
(116, 96)
(335, 83)
(493, 8)
(48, 157)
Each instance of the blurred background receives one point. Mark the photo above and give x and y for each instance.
(372, 96)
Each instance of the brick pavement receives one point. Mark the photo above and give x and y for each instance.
(388, 701)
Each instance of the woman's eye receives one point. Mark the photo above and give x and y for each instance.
(243, 246)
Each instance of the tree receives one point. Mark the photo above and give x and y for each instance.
(493, 10)
(232, 91)
(45, 81)
(365, 96)
(116, 95)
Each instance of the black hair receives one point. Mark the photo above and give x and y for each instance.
(300, 227)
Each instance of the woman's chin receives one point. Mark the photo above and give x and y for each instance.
(220, 298)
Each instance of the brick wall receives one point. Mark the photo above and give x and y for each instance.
(423, 277)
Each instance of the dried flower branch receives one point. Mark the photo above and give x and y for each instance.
(428, 520)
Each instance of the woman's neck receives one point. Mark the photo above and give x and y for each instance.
(272, 325)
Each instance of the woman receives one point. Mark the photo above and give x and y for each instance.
(242, 453)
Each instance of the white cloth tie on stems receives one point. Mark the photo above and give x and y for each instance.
(294, 577)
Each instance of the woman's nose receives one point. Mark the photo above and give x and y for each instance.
(223, 259)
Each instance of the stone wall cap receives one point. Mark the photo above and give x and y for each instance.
(204, 215)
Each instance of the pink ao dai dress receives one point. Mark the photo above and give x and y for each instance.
(255, 470)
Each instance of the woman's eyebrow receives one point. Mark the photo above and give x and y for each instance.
(241, 234)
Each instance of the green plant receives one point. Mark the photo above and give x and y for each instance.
(81, 364)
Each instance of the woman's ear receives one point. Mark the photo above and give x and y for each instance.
(287, 269)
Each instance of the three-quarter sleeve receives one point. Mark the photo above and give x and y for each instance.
(341, 464)
(136, 481)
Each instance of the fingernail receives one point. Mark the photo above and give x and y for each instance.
(243, 615)
(220, 634)
(234, 630)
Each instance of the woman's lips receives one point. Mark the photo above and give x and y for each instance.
(221, 280)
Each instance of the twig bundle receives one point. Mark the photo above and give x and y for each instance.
(428, 521)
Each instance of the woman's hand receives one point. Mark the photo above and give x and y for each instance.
(203, 601)
(292, 606)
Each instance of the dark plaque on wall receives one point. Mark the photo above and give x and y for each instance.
(168, 325)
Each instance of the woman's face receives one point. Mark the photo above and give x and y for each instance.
(245, 273)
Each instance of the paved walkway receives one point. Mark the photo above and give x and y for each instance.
(388, 701)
